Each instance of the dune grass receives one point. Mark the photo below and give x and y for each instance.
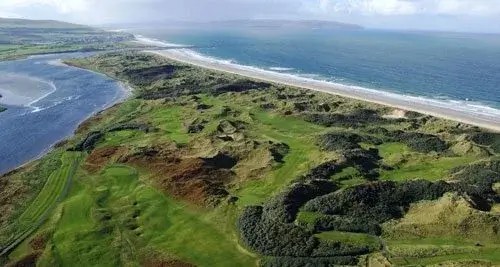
(438, 250)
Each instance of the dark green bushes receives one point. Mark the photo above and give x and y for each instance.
(487, 139)
(337, 141)
(324, 223)
(279, 151)
(285, 206)
(131, 126)
(270, 230)
(272, 238)
(420, 142)
(322, 172)
(196, 126)
(89, 142)
(239, 86)
(358, 118)
(311, 262)
(340, 141)
(365, 161)
(374, 203)
(147, 76)
(477, 180)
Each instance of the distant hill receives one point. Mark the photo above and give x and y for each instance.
(46, 24)
(289, 24)
(260, 23)
(51, 32)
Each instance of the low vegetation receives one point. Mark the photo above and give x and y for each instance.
(210, 169)
(20, 38)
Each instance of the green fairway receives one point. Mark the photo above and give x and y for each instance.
(351, 238)
(303, 155)
(53, 191)
(122, 220)
(411, 165)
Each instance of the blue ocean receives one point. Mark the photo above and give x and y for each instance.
(459, 68)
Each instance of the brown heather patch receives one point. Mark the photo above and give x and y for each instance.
(39, 242)
(100, 157)
(159, 262)
(27, 261)
(196, 180)
(85, 126)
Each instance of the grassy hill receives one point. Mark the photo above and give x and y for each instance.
(34, 24)
(202, 168)
(19, 37)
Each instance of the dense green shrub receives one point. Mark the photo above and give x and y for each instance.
(477, 180)
(376, 202)
(270, 237)
(285, 206)
(148, 75)
(322, 172)
(420, 142)
(359, 117)
(311, 262)
(196, 126)
(487, 139)
(342, 223)
(239, 86)
(279, 151)
(340, 141)
(365, 161)
(89, 142)
(130, 126)
(273, 238)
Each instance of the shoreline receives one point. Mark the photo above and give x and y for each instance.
(125, 92)
(408, 103)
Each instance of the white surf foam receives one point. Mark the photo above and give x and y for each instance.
(281, 69)
(32, 103)
(159, 43)
(468, 106)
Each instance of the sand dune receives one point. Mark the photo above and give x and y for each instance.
(449, 110)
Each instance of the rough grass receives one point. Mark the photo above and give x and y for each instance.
(409, 165)
(443, 230)
(356, 239)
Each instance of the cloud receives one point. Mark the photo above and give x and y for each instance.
(409, 7)
(461, 15)
(61, 6)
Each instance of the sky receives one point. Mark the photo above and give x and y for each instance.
(441, 15)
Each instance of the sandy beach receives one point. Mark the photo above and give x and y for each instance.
(451, 111)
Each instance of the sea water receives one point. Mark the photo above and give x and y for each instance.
(66, 96)
(462, 69)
